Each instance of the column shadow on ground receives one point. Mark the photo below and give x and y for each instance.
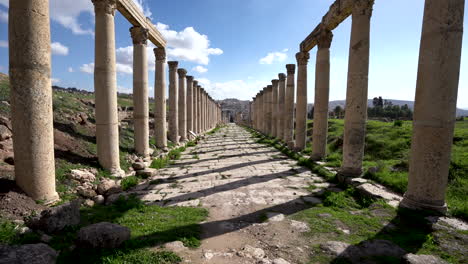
(220, 157)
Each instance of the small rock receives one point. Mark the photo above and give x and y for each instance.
(27, 254)
(86, 193)
(114, 197)
(57, 218)
(208, 255)
(45, 238)
(102, 235)
(275, 217)
(99, 199)
(138, 166)
(300, 226)
(88, 202)
(311, 200)
(335, 248)
(24, 230)
(108, 187)
(5, 133)
(252, 252)
(176, 246)
(82, 176)
(146, 173)
(280, 261)
(422, 259)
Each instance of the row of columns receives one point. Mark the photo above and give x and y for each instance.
(274, 112)
(191, 108)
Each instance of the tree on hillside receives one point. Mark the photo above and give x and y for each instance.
(338, 111)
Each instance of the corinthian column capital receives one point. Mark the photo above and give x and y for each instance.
(363, 7)
(324, 39)
(160, 54)
(105, 6)
(302, 57)
(139, 35)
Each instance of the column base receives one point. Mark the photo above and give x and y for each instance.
(345, 173)
(316, 157)
(291, 145)
(117, 172)
(417, 205)
(51, 200)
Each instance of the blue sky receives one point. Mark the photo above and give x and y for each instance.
(235, 47)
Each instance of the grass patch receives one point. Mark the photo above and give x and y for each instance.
(129, 182)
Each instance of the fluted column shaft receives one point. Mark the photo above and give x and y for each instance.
(105, 87)
(435, 104)
(182, 105)
(160, 125)
(301, 99)
(281, 104)
(31, 98)
(140, 91)
(199, 113)
(356, 93)
(289, 107)
(173, 103)
(322, 88)
(194, 106)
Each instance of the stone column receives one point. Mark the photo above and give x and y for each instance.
(261, 118)
(173, 103)
(289, 107)
(202, 110)
(189, 103)
(194, 106)
(160, 126)
(356, 93)
(265, 111)
(140, 91)
(281, 104)
(435, 105)
(182, 105)
(301, 100)
(274, 111)
(252, 114)
(31, 98)
(322, 88)
(269, 113)
(105, 87)
(199, 113)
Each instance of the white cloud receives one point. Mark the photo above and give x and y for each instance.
(59, 49)
(66, 13)
(3, 16)
(187, 45)
(231, 89)
(70, 69)
(87, 68)
(141, 4)
(4, 3)
(277, 56)
(54, 80)
(123, 68)
(199, 69)
(3, 44)
(122, 89)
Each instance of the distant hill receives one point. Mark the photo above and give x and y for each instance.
(333, 104)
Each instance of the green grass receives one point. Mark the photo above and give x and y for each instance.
(387, 147)
(129, 182)
(150, 226)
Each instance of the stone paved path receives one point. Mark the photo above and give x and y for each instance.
(241, 183)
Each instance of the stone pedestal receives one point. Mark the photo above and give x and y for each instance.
(289, 107)
(105, 87)
(435, 105)
(173, 103)
(356, 93)
(160, 127)
(140, 91)
(301, 99)
(274, 111)
(281, 104)
(182, 108)
(322, 88)
(31, 98)
(190, 103)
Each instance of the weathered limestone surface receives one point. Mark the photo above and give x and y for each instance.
(195, 106)
(281, 105)
(289, 107)
(182, 111)
(435, 104)
(190, 103)
(274, 111)
(301, 100)
(140, 90)
(105, 87)
(160, 127)
(322, 91)
(31, 98)
(269, 109)
(199, 114)
(356, 93)
(173, 103)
